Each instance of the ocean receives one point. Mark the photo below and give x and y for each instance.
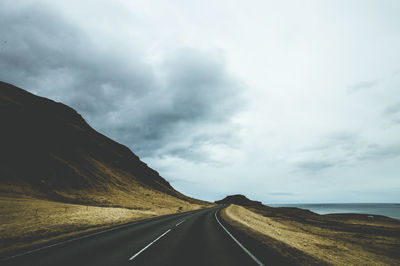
(387, 209)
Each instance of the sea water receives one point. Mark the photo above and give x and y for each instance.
(386, 209)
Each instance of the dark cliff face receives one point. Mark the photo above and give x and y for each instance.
(48, 146)
(238, 200)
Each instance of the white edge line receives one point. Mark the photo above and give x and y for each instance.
(237, 242)
(81, 237)
(143, 249)
(179, 223)
(70, 240)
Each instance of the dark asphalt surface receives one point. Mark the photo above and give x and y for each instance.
(193, 238)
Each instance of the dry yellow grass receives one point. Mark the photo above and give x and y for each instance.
(28, 221)
(29, 217)
(132, 197)
(331, 246)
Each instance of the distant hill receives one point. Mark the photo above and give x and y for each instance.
(292, 212)
(238, 200)
(48, 150)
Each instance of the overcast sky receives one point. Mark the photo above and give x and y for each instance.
(283, 101)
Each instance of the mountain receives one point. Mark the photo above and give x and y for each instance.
(238, 200)
(48, 150)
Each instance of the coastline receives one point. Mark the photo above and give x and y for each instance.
(391, 210)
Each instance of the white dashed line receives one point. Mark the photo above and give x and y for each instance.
(179, 222)
(143, 249)
(70, 240)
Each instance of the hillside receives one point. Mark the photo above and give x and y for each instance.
(238, 200)
(49, 151)
(59, 177)
(303, 237)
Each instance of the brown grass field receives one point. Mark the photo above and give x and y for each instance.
(327, 239)
(27, 221)
(29, 217)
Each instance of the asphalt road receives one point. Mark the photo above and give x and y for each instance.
(192, 238)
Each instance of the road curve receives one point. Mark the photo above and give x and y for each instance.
(193, 238)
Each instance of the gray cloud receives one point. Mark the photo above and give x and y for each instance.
(123, 66)
(393, 109)
(379, 152)
(280, 194)
(363, 85)
(345, 149)
(172, 108)
(315, 165)
(392, 112)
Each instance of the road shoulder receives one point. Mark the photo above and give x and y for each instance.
(267, 249)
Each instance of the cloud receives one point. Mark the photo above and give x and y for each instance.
(393, 113)
(162, 78)
(363, 85)
(344, 149)
(375, 152)
(393, 109)
(177, 107)
(190, 109)
(315, 165)
(280, 194)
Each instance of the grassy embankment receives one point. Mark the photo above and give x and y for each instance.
(332, 239)
(26, 221)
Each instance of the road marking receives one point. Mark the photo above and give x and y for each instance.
(237, 242)
(84, 236)
(179, 222)
(143, 249)
(70, 240)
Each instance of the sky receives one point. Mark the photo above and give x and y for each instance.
(282, 101)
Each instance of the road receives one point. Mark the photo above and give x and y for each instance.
(192, 238)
